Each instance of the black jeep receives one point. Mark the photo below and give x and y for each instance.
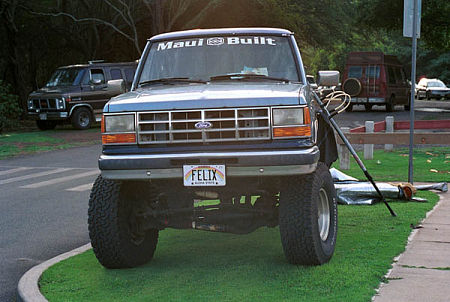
(78, 93)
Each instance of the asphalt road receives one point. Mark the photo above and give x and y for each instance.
(43, 209)
(44, 197)
(424, 110)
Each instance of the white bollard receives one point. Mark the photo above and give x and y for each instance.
(389, 129)
(344, 153)
(368, 148)
(344, 157)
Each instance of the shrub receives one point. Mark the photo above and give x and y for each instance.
(10, 110)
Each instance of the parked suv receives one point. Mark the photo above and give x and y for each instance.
(78, 93)
(373, 78)
(432, 88)
(219, 132)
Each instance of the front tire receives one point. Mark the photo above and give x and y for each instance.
(390, 104)
(114, 230)
(308, 217)
(82, 118)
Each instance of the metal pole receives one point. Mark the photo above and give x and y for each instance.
(413, 88)
(329, 118)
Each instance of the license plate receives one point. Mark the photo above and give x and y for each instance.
(204, 175)
(43, 116)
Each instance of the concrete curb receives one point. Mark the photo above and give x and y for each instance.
(28, 288)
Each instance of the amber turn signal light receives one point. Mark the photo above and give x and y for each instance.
(292, 131)
(103, 124)
(124, 138)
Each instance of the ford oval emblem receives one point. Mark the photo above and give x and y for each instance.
(203, 125)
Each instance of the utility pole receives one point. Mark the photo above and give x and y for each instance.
(416, 8)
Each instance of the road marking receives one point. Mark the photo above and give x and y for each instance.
(81, 188)
(19, 178)
(14, 170)
(59, 180)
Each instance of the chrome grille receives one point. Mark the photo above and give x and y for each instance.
(168, 127)
(44, 103)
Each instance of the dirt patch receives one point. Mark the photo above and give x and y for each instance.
(78, 136)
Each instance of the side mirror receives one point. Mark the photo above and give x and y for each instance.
(96, 81)
(328, 78)
(117, 86)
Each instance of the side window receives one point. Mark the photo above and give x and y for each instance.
(116, 74)
(97, 75)
(391, 75)
(403, 74)
(355, 72)
(129, 74)
(398, 74)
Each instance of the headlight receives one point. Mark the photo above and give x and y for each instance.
(30, 104)
(287, 116)
(118, 129)
(119, 123)
(291, 122)
(60, 103)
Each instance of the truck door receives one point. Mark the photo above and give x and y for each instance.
(94, 88)
(372, 81)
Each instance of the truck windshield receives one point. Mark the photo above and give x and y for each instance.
(65, 77)
(213, 58)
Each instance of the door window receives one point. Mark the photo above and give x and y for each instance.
(116, 74)
(97, 75)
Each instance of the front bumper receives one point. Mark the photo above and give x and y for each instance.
(52, 115)
(238, 163)
(440, 94)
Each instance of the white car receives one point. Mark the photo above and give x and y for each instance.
(432, 88)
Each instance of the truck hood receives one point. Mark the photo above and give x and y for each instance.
(54, 91)
(216, 95)
(438, 88)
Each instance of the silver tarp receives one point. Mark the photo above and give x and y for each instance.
(349, 190)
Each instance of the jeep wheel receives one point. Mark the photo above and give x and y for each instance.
(117, 238)
(390, 104)
(81, 119)
(308, 217)
(46, 125)
(428, 96)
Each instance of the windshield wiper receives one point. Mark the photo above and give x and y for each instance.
(243, 76)
(170, 81)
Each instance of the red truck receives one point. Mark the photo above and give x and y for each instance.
(373, 78)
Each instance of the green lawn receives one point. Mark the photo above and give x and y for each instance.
(430, 165)
(20, 143)
(203, 266)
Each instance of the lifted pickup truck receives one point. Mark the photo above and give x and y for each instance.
(218, 133)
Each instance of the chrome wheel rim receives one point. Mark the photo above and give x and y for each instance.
(323, 215)
(84, 119)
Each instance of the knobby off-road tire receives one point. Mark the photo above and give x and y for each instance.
(115, 242)
(306, 241)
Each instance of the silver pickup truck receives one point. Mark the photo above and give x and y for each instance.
(218, 133)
